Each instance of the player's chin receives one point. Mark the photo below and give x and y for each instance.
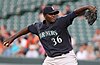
(53, 20)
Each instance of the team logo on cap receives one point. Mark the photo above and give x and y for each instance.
(53, 8)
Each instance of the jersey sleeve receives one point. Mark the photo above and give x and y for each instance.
(33, 29)
(68, 19)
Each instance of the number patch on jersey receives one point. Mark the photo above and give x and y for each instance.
(56, 40)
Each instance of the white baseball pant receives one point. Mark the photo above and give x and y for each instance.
(64, 59)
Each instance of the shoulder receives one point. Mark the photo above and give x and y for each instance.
(37, 23)
(68, 16)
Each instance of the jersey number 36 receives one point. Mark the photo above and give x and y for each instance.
(56, 40)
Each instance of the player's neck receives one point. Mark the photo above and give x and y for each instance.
(49, 23)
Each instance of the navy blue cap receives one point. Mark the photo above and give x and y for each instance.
(50, 10)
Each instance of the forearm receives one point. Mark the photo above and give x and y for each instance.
(8, 41)
(82, 9)
(20, 33)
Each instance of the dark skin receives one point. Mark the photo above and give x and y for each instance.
(49, 19)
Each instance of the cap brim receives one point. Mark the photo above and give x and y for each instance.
(54, 12)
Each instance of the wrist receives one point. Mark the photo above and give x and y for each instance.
(91, 8)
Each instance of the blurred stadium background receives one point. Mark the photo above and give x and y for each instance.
(17, 14)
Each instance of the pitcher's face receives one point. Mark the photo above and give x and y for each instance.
(50, 17)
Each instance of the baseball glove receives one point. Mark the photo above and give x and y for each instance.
(91, 16)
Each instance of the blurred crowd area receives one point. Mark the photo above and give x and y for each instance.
(24, 46)
(29, 45)
(88, 50)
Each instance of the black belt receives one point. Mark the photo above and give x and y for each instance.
(60, 54)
